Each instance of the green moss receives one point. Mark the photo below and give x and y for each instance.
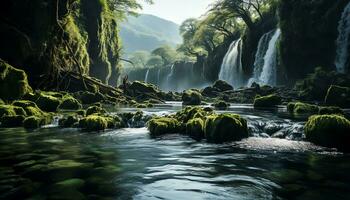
(2, 102)
(190, 113)
(95, 110)
(94, 123)
(32, 122)
(191, 97)
(47, 102)
(330, 110)
(222, 105)
(88, 97)
(302, 108)
(12, 121)
(225, 128)
(338, 96)
(329, 131)
(24, 103)
(195, 128)
(267, 101)
(81, 112)
(163, 125)
(10, 110)
(68, 121)
(70, 103)
(13, 82)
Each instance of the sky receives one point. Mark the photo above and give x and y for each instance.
(177, 10)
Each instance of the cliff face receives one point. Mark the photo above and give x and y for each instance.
(48, 37)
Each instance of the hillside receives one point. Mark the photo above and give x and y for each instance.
(147, 32)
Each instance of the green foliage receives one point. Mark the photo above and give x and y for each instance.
(329, 131)
(267, 101)
(13, 82)
(225, 128)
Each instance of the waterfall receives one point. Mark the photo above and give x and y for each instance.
(169, 77)
(158, 77)
(146, 76)
(259, 57)
(343, 40)
(231, 69)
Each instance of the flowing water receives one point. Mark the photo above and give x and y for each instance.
(231, 69)
(54, 163)
(268, 74)
(342, 56)
(146, 76)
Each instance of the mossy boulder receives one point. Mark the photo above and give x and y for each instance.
(13, 82)
(10, 110)
(32, 122)
(222, 86)
(47, 102)
(12, 121)
(225, 128)
(93, 123)
(221, 105)
(95, 110)
(88, 97)
(31, 109)
(329, 131)
(69, 103)
(338, 96)
(191, 97)
(189, 113)
(300, 108)
(24, 103)
(195, 128)
(267, 101)
(163, 125)
(330, 110)
(68, 121)
(141, 87)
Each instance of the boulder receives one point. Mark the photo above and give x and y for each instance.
(267, 101)
(191, 97)
(47, 102)
(222, 86)
(329, 131)
(141, 87)
(195, 128)
(12, 121)
(300, 108)
(330, 110)
(93, 123)
(163, 125)
(210, 92)
(32, 122)
(86, 97)
(13, 82)
(10, 110)
(95, 110)
(68, 121)
(70, 103)
(221, 105)
(338, 96)
(225, 128)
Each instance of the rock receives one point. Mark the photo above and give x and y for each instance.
(12, 121)
(95, 110)
(13, 82)
(222, 86)
(70, 103)
(195, 128)
(69, 184)
(222, 105)
(24, 103)
(94, 123)
(140, 87)
(225, 128)
(267, 101)
(163, 125)
(32, 122)
(88, 97)
(47, 103)
(329, 131)
(68, 121)
(31, 109)
(338, 96)
(330, 110)
(190, 113)
(210, 92)
(2, 102)
(81, 112)
(300, 108)
(191, 97)
(10, 110)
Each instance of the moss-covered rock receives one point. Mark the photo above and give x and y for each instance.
(163, 125)
(24, 103)
(68, 121)
(10, 110)
(140, 87)
(32, 122)
(222, 86)
(13, 82)
(70, 103)
(267, 101)
(329, 131)
(93, 123)
(95, 110)
(189, 113)
(88, 97)
(195, 128)
(47, 102)
(31, 109)
(222, 105)
(300, 108)
(338, 96)
(191, 97)
(225, 128)
(2, 102)
(12, 121)
(81, 112)
(330, 110)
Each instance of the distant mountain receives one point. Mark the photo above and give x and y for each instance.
(147, 32)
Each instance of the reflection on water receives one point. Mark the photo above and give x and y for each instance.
(57, 163)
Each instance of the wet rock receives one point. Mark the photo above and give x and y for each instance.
(163, 125)
(330, 110)
(47, 102)
(94, 123)
(195, 128)
(338, 96)
(9, 110)
(191, 97)
(95, 110)
(221, 105)
(12, 121)
(300, 108)
(32, 122)
(222, 86)
(70, 103)
(86, 97)
(68, 121)
(225, 128)
(267, 101)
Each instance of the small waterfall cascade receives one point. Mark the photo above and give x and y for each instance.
(169, 77)
(231, 69)
(259, 57)
(342, 54)
(146, 76)
(158, 77)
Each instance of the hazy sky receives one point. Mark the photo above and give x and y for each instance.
(177, 10)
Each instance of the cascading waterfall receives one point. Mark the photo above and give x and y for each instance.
(231, 69)
(169, 77)
(342, 56)
(259, 57)
(269, 72)
(146, 76)
(158, 77)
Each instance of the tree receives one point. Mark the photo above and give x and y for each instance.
(155, 61)
(125, 7)
(167, 53)
(140, 58)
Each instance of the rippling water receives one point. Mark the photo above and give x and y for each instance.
(55, 163)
